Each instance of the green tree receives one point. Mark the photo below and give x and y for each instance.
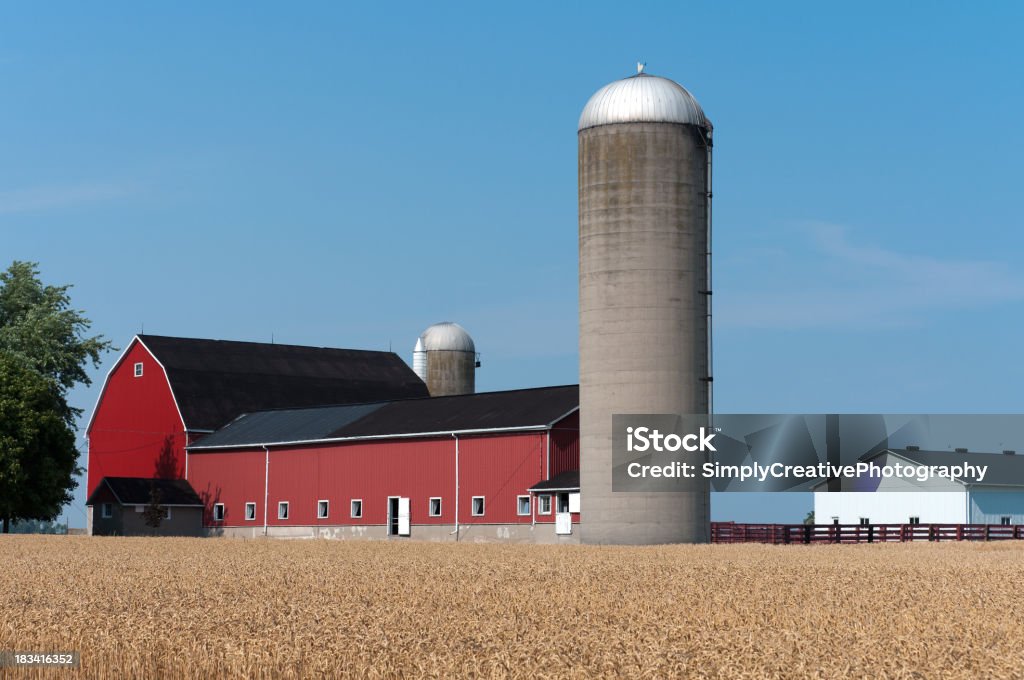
(38, 458)
(810, 518)
(38, 325)
(44, 352)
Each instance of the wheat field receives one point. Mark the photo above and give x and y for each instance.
(227, 608)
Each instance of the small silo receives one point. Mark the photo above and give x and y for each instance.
(445, 359)
(645, 314)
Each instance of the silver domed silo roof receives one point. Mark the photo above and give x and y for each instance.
(447, 336)
(643, 98)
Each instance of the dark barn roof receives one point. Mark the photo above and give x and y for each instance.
(535, 407)
(294, 425)
(215, 381)
(516, 409)
(570, 479)
(136, 491)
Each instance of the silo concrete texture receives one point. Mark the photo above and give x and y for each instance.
(445, 359)
(644, 239)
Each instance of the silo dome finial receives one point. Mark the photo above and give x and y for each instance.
(640, 66)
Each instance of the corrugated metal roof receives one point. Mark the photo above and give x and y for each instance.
(509, 410)
(215, 381)
(537, 407)
(570, 479)
(298, 424)
(643, 98)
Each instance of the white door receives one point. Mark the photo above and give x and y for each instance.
(403, 516)
(563, 523)
(574, 502)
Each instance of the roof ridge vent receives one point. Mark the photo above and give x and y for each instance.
(960, 450)
(912, 447)
(1009, 452)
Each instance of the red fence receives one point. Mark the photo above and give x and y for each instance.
(782, 534)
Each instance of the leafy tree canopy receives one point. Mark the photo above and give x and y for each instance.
(38, 325)
(44, 352)
(38, 458)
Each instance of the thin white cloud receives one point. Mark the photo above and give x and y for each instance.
(36, 199)
(837, 283)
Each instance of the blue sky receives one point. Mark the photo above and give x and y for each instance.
(341, 174)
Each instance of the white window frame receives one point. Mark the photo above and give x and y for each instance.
(138, 369)
(430, 506)
(283, 505)
(915, 519)
(106, 510)
(247, 517)
(483, 506)
(519, 508)
(1006, 520)
(541, 498)
(865, 521)
(223, 512)
(167, 512)
(352, 508)
(326, 505)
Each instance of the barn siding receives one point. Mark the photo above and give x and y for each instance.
(233, 480)
(565, 444)
(136, 430)
(499, 467)
(990, 505)
(891, 507)
(370, 471)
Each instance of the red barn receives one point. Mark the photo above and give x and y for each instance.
(470, 467)
(165, 393)
(279, 440)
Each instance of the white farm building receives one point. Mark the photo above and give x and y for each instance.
(998, 499)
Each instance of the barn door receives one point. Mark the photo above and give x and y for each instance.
(403, 516)
(564, 503)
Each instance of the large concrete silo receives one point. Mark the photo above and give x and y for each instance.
(445, 359)
(645, 315)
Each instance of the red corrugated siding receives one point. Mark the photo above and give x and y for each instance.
(565, 455)
(233, 480)
(369, 471)
(498, 467)
(565, 444)
(136, 430)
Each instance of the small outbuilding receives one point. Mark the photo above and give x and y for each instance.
(118, 506)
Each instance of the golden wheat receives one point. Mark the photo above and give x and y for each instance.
(211, 608)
